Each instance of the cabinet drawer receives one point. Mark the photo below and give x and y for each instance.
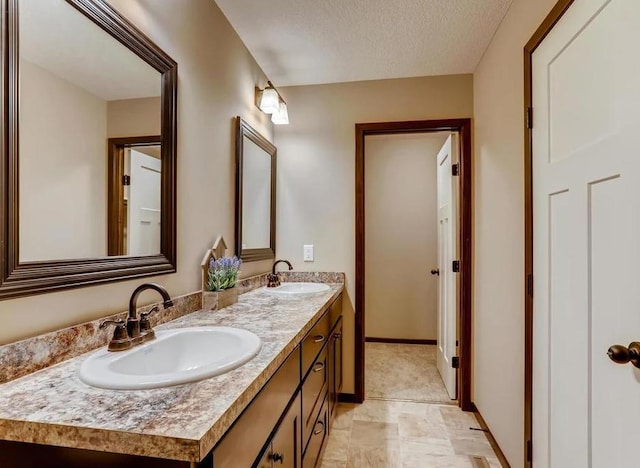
(314, 389)
(314, 341)
(318, 434)
(244, 441)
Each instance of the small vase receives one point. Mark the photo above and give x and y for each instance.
(212, 300)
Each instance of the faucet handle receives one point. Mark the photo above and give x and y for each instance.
(145, 324)
(120, 338)
(121, 327)
(273, 280)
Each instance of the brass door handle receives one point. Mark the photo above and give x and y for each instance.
(318, 338)
(318, 367)
(435, 272)
(622, 355)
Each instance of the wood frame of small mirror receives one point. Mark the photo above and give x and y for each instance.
(37, 277)
(243, 129)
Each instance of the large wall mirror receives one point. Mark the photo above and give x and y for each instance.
(89, 120)
(255, 194)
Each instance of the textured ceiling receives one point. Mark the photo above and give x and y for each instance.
(300, 42)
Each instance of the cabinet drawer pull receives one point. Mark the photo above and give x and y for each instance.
(318, 367)
(318, 338)
(321, 430)
(277, 457)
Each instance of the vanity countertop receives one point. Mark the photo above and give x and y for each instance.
(54, 407)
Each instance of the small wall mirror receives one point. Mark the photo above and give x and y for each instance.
(91, 195)
(255, 194)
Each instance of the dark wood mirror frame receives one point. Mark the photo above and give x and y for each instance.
(243, 129)
(28, 278)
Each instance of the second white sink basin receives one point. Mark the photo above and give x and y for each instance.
(175, 357)
(296, 289)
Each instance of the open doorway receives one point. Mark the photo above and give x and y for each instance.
(398, 323)
(408, 178)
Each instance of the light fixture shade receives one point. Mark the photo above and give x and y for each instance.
(282, 116)
(269, 101)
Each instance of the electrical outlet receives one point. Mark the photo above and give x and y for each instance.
(308, 253)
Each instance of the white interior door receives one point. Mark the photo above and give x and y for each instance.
(447, 253)
(143, 227)
(586, 196)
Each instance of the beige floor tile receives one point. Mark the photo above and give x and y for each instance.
(455, 418)
(479, 462)
(478, 448)
(344, 416)
(466, 434)
(424, 446)
(436, 461)
(386, 456)
(412, 426)
(366, 434)
(403, 372)
(337, 448)
(377, 411)
(417, 408)
(494, 462)
(332, 464)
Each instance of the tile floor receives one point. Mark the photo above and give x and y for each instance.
(399, 434)
(403, 372)
(399, 425)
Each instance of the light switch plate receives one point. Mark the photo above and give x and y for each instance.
(308, 253)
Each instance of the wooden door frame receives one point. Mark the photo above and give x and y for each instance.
(463, 127)
(557, 12)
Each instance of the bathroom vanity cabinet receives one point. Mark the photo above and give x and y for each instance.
(270, 434)
(285, 425)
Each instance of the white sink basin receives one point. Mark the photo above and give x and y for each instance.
(298, 289)
(174, 357)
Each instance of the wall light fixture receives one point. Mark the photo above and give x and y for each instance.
(270, 102)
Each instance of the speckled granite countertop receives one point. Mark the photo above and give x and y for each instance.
(54, 407)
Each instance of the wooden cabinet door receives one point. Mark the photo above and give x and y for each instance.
(286, 450)
(265, 461)
(335, 365)
(331, 347)
(337, 361)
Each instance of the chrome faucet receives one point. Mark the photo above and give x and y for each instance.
(273, 281)
(137, 329)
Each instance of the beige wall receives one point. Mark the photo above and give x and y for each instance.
(216, 79)
(62, 155)
(316, 165)
(134, 117)
(401, 235)
(499, 228)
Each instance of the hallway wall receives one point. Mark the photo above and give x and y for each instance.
(498, 389)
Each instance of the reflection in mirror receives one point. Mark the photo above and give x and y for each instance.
(255, 194)
(135, 178)
(80, 87)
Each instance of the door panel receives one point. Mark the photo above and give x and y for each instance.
(586, 210)
(144, 205)
(447, 253)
